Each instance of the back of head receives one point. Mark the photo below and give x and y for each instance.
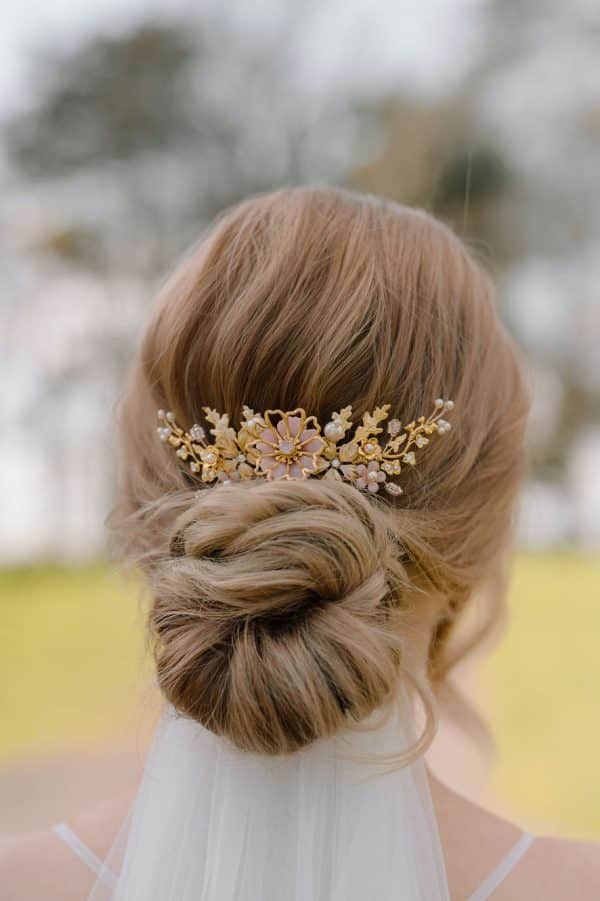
(283, 610)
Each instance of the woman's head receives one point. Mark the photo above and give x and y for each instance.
(283, 610)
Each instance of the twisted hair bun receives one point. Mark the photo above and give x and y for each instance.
(276, 617)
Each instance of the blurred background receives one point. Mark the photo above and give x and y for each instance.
(125, 126)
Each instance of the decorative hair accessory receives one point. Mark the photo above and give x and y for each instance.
(289, 445)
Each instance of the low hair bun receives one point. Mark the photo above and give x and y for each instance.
(275, 617)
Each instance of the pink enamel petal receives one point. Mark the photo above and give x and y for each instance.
(307, 463)
(307, 434)
(294, 425)
(361, 469)
(381, 476)
(267, 463)
(313, 446)
(373, 487)
(282, 429)
(279, 471)
(373, 465)
(296, 471)
(361, 483)
(269, 435)
(264, 448)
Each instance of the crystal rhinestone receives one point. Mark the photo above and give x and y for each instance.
(421, 441)
(241, 458)
(439, 402)
(394, 426)
(410, 458)
(348, 452)
(334, 431)
(197, 432)
(388, 467)
(195, 467)
(210, 458)
(286, 446)
(335, 462)
(252, 423)
(443, 426)
(369, 448)
(160, 414)
(392, 488)
(170, 416)
(182, 453)
(449, 405)
(163, 433)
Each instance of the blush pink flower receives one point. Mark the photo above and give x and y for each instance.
(370, 476)
(290, 450)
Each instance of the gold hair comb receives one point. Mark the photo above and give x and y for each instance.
(289, 445)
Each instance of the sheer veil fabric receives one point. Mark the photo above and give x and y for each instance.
(330, 823)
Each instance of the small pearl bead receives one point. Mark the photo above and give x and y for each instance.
(333, 431)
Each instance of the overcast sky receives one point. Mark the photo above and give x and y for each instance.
(382, 40)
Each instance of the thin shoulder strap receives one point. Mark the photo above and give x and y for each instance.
(85, 854)
(504, 868)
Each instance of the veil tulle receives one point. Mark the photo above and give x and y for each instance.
(330, 823)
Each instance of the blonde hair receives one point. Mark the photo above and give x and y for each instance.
(283, 611)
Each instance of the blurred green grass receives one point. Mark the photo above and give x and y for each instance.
(72, 664)
(72, 658)
(542, 691)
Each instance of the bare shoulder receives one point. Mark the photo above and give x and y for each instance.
(476, 841)
(556, 870)
(38, 864)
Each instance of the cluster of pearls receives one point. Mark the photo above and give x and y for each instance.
(198, 433)
(164, 432)
(334, 431)
(443, 425)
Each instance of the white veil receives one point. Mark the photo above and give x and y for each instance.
(211, 823)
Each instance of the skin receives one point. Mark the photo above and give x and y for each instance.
(38, 865)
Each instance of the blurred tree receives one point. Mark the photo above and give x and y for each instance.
(113, 98)
(164, 125)
(435, 155)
